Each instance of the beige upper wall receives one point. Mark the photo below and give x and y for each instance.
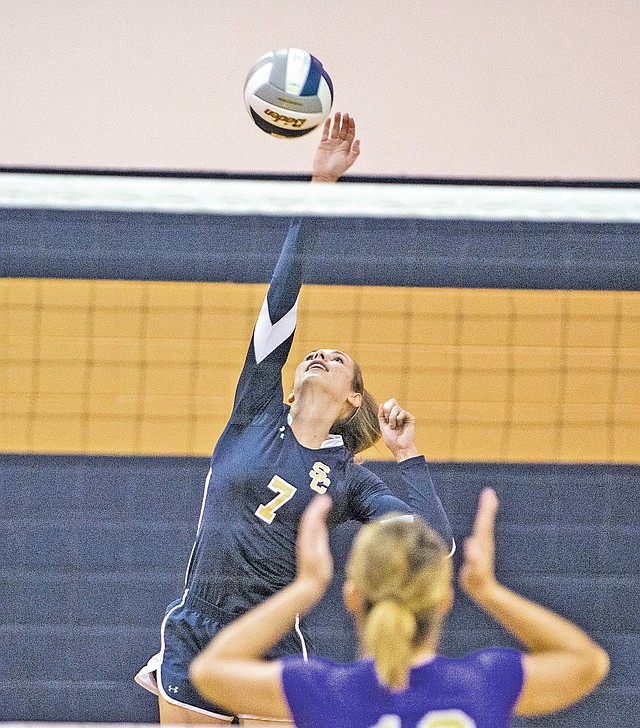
(448, 88)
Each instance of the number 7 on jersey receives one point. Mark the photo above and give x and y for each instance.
(285, 491)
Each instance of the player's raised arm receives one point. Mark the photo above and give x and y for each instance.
(562, 664)
(260, 381)
(337, 150)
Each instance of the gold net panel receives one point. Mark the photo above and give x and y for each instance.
(149, 368)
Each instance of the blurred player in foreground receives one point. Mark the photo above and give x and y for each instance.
(270, 461)
(399, 588)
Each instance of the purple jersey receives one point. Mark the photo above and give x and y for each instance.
(479, 690)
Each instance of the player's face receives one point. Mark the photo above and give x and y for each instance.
(330, 369)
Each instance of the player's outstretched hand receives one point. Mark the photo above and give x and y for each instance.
(478, 570)
(338, 148)
(314, 561)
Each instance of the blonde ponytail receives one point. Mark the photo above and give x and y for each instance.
(401, 570)
(387, 623)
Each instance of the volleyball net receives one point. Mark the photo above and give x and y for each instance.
(506, 318)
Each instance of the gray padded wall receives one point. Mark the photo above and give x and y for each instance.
(93, 548)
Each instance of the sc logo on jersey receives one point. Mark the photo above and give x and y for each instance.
(319, 480)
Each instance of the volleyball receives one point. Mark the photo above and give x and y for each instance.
(288, 93)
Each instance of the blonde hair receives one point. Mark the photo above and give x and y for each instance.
(361, 429)
(401, 571)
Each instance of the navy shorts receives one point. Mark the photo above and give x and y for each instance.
(188, 627)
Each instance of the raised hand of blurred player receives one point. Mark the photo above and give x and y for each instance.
(314, 564)
(397, 426)
(478, 570)
(338, 148)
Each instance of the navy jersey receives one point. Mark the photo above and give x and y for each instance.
(479, 690)
(261, 479)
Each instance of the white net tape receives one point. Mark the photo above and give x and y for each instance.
(247, 197)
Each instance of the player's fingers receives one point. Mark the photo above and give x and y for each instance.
(318, 509)
(350, 130)
(313, 521)
(325, 129)
(344, 127)
(355, 149)
(335, 131)
(484, 523)
(399, 417)
(468, 548)
(404, 418)
(313, 555)
(385, 409)
(389, 405)
(396, 416)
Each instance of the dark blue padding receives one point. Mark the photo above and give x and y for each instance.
(358, 251)
(95, 547)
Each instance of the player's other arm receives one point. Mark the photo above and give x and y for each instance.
(397, 426)
(562, 663)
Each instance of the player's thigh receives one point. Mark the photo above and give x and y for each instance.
(264, 723)
(171, 714)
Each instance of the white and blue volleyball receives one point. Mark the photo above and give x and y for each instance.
(288, 93)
